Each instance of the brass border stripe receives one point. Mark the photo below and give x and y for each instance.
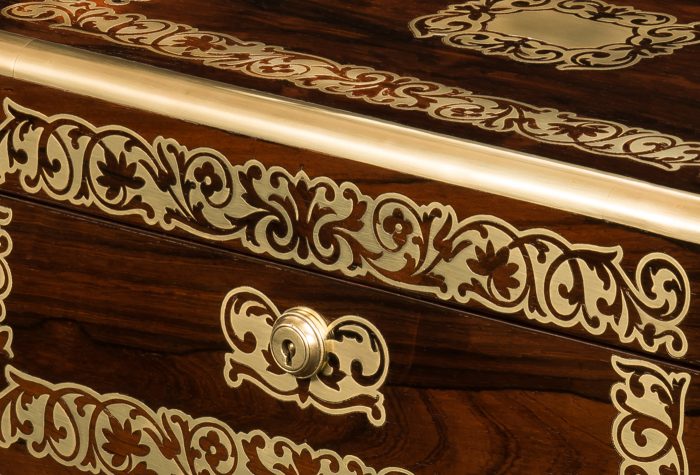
(464, 163)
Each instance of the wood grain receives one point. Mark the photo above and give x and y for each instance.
(126, 311)
(373, 181)
(661, 93)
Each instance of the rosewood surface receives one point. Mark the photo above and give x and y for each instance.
(660, 93)
(372, 182)
(126, 311)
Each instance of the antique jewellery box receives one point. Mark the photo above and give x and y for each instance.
(367, 237)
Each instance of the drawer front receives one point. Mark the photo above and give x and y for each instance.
(512, 260)
(120, 359)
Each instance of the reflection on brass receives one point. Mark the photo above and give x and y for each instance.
(426, 248)
(648, 431)
(381, 88)
(298, 342)
(355, 364)
(573, 34)
(116, 434)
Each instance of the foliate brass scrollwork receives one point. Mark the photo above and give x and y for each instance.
(381, 88)
(355, 369)
(648, 431)
(533, 273)
(116, 434)
(5, 281)
(632, 34)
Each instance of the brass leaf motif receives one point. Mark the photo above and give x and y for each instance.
(115, 434)
(424, 248)
(381, 88)
(469, 25)
(648, 431)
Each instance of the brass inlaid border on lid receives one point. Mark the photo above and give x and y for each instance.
(607, 36)
(377, 87)
(534, 274)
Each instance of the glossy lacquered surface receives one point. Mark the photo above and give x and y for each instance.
(657, 94)
(139, 315)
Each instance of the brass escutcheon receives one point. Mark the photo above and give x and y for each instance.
(298, 342)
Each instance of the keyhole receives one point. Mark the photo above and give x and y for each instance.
(288, 350)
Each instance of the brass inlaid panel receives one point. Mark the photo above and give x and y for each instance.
(533, 273)
(648, 432)
(381, 88)
(573, 34)
(247, 317)
(116, 434)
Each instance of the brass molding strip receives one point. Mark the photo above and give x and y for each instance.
(648, 430)
(117, 434)
(578, 34)
(247, 316)
(468, 164)
(424, 248)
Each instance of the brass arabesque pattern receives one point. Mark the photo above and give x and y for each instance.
(648, 431)
(116, 434)
(356, 368)
(426, 248)
(381, 88)
(606, 36)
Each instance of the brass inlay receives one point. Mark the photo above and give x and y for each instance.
(116, 434)
(648, 431)
(424, 248)
(373, 86)
(5, 282)
(553, 27)
(247, 318)
(572, 34)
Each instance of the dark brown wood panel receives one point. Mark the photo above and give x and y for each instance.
(125, 311)
(373, 182)
(661, 93)
(17, 461)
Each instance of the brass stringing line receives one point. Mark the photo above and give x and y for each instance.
(647, 399)
(465, 25)
(453, 104)
(422, 248)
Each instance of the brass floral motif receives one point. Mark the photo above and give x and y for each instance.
(358, 359)
(648, 431)
(116, 434)
(384, 88)
(5, 282)
(533, 273)
(639, 34)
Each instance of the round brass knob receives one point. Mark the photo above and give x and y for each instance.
(298, 342)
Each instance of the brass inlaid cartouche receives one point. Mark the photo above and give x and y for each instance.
(571, 34)
(426, 248)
